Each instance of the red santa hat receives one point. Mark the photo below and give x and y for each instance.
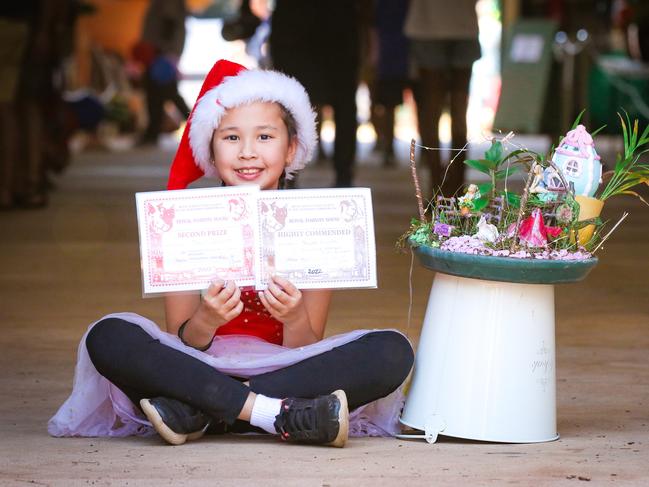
(229, 85)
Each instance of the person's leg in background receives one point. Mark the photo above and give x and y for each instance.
(430, 99)
(462, 53)
(377, 115)
(155, 109)
(344, 107)
(35, 80)
(7, 155)
(13, 33)
(390, 96)
(460, 79)
(31, 174)
(176, 98)
(388, 131)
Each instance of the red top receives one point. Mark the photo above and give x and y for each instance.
(254, 320)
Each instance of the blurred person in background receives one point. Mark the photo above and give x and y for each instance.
(632, 16)
(252, 25)
(391, 72)
(35, 37)
(444, 44)
(160, 48)
(243, 25)
(318, 43)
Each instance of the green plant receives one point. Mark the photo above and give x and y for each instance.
(493, 166)
(628, 171)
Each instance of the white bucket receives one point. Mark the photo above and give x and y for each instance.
(485, 365)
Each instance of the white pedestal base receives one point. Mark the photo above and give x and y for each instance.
(485, 365)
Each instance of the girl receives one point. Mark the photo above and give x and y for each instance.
(231, 359)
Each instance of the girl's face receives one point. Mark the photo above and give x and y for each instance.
(251, 145)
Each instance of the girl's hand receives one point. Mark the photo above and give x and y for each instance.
(221, 302)
(285, 303)
(304, 314)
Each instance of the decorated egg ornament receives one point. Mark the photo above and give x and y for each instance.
(578, 161)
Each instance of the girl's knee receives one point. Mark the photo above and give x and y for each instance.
(104, 336)
(396, 354)
(403, 352)
(100, 332)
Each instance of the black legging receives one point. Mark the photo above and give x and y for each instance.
(367, 369)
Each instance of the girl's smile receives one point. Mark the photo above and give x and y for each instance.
(251, 145)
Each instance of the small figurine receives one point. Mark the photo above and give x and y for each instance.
(486, 231)
(578, 161)
(538, 186)
(466, 202)
(533, 232)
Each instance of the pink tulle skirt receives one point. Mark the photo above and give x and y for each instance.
(98, 408)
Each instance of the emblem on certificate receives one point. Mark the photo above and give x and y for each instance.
(316, 238)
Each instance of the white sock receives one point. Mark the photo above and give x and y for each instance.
(264, 412)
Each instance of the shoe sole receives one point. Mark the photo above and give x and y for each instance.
(343, 420)
(169, 435)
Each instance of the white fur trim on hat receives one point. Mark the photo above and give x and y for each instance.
(248, 87)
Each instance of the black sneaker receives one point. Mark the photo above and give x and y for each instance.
(323, 420)
(175, 421)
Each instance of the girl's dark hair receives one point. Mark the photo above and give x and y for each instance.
(289, 121)
(291, 126)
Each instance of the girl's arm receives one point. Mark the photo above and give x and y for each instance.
(220, 304)
(304, 313)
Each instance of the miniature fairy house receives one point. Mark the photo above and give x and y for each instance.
(578, 161)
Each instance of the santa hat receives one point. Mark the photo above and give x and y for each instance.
(229, 85)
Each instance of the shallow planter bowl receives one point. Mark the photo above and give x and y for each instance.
(504, 269)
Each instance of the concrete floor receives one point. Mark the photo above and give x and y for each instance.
(69, 264)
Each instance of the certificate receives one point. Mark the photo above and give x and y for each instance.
(316, 238)
(189, 238)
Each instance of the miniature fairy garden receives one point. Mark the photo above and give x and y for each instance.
(556, 215)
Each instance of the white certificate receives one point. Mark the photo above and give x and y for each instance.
(190, 237)
(317, 238)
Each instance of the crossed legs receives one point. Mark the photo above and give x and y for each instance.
(367, 369)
